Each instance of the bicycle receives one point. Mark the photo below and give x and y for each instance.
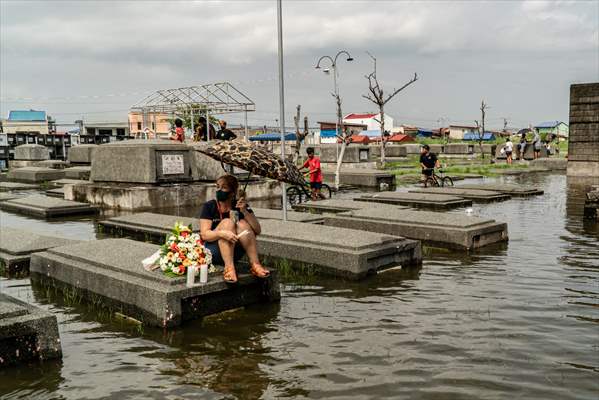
(299, 193)
(436, 180)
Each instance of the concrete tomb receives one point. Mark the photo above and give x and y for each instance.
(35, 174)
(27, 333)
(32, 152)
(360, 177)
(506, 188)
(409, 150)
(459, 148)
(17, 245)
(417, 200)
(142, 161)
(479, 196)
(82, 154)
(58, 192)
(336, 206)
(204, 168)
(80, 172)
(439, 229)
(68, 181)
(348, 253)
(553, 164)
(342, 252)
(47, 207)
(8, 186)
(154, 226)
(111, 270)
(353, 153)
(9, 196)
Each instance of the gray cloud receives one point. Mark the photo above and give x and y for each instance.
(520, 57)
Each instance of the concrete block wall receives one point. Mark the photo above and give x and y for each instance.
(583, 145)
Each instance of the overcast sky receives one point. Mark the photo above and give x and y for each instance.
(97, 58)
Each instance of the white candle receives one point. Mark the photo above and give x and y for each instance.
(191, 276)
(203, 273)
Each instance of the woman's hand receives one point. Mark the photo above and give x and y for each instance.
(242, 205)
(228, 236)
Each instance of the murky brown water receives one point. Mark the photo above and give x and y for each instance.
(514, 321)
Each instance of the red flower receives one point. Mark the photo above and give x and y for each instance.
(184, 233)
(174, 247)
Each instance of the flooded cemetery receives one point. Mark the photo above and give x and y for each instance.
(203, 248)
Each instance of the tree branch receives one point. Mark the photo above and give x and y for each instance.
(414, 79)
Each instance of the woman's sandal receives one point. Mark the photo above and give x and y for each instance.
(259, 271)
(229, 275)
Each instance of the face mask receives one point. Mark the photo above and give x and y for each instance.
(221, 195)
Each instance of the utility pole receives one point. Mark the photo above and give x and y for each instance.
(483, 112)
(281, 101)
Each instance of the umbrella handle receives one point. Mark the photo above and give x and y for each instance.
(247, 180)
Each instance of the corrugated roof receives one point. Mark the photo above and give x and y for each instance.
(30, 115)
(475, 136)
(549, 124)
(273, 137)
(360, 116)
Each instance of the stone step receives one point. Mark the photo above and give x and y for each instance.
(47, 207)
(336, 206)
(68, 181)
(417, 200)
(112, 270)
(17, 245)
(434, 228)
(479, 196)
(26, 332)
(80, 172)
(58, 192)
(506, 188)
(344, 252)
(35, 174)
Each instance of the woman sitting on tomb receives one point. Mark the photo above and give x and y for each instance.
(229, 228)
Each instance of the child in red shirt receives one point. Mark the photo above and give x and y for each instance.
(313, 165)
(179, 132)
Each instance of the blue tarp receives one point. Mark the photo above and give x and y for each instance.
(272, 137)
(327, 133)
(424, 133)
(475, 136)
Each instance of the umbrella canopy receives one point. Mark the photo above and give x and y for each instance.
(523, 131)
(254, 159)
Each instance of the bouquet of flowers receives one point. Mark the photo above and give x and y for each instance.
(181, 250)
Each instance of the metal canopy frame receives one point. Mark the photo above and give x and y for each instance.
(212, 98)
(217, 98)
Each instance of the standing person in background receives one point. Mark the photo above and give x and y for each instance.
(508, 148)
(202, 130)
(224, 133)
(179, 135)
(522, 146)
(536, 143)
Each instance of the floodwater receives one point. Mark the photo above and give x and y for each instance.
(511, 321)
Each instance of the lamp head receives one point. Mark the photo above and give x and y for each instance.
(350, 58)
(326, 70)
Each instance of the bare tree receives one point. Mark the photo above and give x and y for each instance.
(377, 96)
(481, 134)
(343, 136)
(299, 136)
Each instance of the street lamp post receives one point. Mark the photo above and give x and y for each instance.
(281, 100)
(333, 61)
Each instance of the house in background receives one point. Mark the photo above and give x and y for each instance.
(458, 131)
(371, 120)
(327, 132)
(555, 128)
(22, 121)
(106, 128)
(158, 122)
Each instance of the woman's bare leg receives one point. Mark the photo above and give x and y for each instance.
(248, 241)
(226, 247)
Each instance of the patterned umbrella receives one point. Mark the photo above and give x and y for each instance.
(253, 159)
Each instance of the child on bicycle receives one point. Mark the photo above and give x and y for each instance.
(428, 162)
(313, 165)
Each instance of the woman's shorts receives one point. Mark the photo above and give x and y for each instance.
(508, 153)
(217, 259)
(316, 185)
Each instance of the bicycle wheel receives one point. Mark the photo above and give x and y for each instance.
(294, 195)
(446, 181)
(326, 191)
(430, 182)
